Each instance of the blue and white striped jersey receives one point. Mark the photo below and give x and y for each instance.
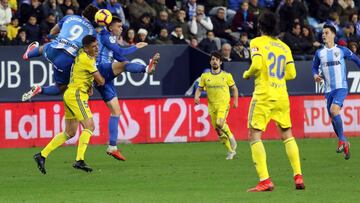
(109, 49)
(73, 29)
(331, 62)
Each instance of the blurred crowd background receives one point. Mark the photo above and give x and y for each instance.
(208, 25)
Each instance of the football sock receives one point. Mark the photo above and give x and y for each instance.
(259, 159)
(338, 127)
(135, 68)
(56, 142)
(51, 90)
(292, 152)
(225, 140)
(34, 53)
(113, 130)
(83, 143)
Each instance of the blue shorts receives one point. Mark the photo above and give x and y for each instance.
(336, 97)
(61, 61)
(107, 91)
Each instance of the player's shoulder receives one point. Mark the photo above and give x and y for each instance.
(343, 49)
(319, 50)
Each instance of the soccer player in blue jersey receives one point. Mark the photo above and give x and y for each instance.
(329, 65)
(109, 50)
(62, 51)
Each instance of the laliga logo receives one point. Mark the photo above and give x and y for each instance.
(127, 129)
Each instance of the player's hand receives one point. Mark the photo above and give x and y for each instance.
(197, 100)
(91, 91)
(141, 45)
(317, 78)
(246, 75)
(236, 104)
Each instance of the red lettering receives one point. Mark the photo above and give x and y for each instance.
(325, 115)
(347, 113)
(357, 108)
(315, 113)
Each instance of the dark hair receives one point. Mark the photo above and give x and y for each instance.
(216, 54)
(295, 25)
(114, 20)
(331, 27)
(89, 12)
(268, 23)
(207, 32)
(87, 40)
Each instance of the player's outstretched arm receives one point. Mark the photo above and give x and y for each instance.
(197, 95)
(55, 30)
(255, 66)
(235, 94)
(106, 41)
(98, 78)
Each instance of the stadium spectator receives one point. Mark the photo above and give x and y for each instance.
(349, 33)
(354, 47)
(21, 38)
(50, 6)
(177, 36)
(208, 44)
(28, 9)
(32, 29)
(221, 27)
(116, 9)
(308, 36)
(296, 43)
(163, 37)
(348, 8)
(190, 8)
(243, 20)
(137, 8)
(5, 13)
(13, 4)
(69, 12)
(4, 40)
(180, 21)
(200, 23)
(240, 52)
(354, 18)
(69, 4)
(46, 26)
(234, 4)
(100, 4)
(142, 36)
(325, 8)
(244, 39)
(226, 52)
(163, 22)
(130, 37)
(292, 11)
(13, 28)
(160, 5)
(255, 9)
(194, 43)
(145, 22)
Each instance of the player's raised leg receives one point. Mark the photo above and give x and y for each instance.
(33, 50)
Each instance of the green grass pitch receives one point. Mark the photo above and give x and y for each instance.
(191, 172)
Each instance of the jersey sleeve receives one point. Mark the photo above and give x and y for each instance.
(230, 80)
(316, 64)
(202, 81)
(61, 22)
(348, 54)
(290, 71)
(109, 42)
(256, 60)
(254, 49)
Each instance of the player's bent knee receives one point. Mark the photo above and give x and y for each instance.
(88, 124)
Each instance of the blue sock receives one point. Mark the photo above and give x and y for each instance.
(338, 127)
(34, 53)
(51, 90)
(113, 130)
(135, 68)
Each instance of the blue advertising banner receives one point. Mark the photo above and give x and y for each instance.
(179, 66)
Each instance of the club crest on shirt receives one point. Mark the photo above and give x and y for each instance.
(112, 39)
(254, 49)
(336, 54)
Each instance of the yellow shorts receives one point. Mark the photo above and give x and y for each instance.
(262, 111)
(76, 104)
(218, 112)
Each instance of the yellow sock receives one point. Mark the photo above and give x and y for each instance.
(83, 143)
(56, 142)
(225, 140)
(259, 158)
(227, 130)
(292, 152)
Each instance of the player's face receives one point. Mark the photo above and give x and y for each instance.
(328, 36)
(92, 49)
(116, 29)
(215, 63)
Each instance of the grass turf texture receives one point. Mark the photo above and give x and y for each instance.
(193, 172)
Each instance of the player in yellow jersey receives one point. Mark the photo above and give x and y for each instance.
(76, 97)
(272, 65)
(217, 84)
